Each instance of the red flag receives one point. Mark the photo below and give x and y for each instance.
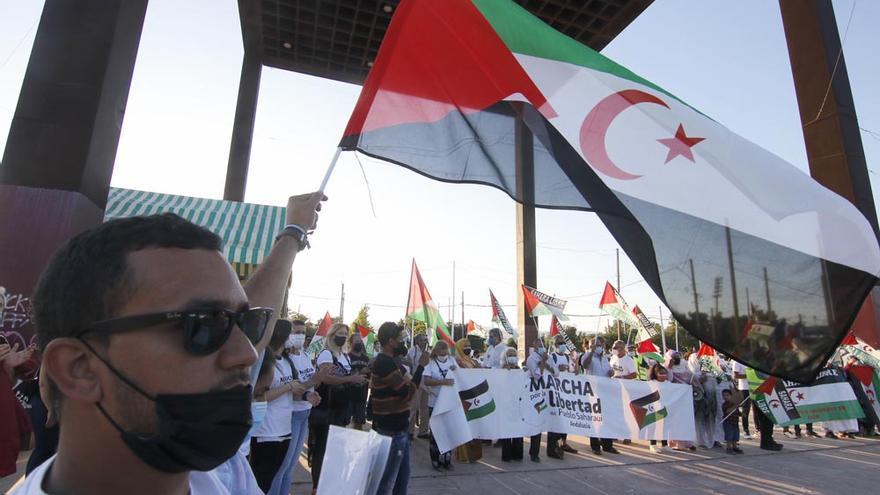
(421, 307)
(647, 346)
(705, 350)
(768, 386)
(364, 331)
(325, 325)
(554, 327)
(608, 296)
(864, 374)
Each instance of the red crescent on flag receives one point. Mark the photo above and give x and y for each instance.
(596, 124)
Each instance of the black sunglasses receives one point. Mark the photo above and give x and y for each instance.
(205, 331)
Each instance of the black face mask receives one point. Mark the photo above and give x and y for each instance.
(339, 340)
(676, 361)
(358, 348)
(197, 432)
(400, 350)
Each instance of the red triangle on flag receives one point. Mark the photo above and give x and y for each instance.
(364, 331)
(705, 350)
(768, 386)
(325, 325)
(608, 296)
(865, 374)
(647, 346)
(471, 326)
(850, 339)
(530, 300)
(418, 293)
(554, 327)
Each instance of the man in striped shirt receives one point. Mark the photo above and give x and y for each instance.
(392, 393)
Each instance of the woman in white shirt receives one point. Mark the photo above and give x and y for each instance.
(304, 372)
(438, 374)
(335, 407)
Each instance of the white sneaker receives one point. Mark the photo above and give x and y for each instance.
(746, 436)
(653, 449)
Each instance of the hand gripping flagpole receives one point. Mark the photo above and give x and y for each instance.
(330, 170)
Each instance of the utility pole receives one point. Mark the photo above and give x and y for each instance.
(767, 291)
(342, 303)
(675, 322)
(617, 253)
(736, 327)
(464, 332)
(662, 331)
(696, 297)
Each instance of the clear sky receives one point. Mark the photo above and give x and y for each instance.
(728, 59)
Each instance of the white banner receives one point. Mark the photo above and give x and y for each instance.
(493, 404)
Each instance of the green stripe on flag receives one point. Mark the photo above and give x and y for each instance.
(480, 412)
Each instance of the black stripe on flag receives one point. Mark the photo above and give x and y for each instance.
(648, 399)
(480, 389)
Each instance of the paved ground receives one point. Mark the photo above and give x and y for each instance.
(806, 466)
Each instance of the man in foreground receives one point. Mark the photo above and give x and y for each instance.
(148, 340)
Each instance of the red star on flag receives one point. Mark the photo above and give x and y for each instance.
(681, 144)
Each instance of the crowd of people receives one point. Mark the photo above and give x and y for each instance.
(156, 371)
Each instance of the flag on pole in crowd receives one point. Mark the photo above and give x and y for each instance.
(369, 338)
(318, 339)
(421, 307)
(613, 304)
(540, 304)
(453, 78)
(708, 359)
(867, 381)
(499, 317)
(646, 328)
(556, 329)
(648, 353)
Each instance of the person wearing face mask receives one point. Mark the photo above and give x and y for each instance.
(418, 415)
(336, 393)
(595, 363)
(437, 374)
(473, 450)
(560, 362)
(305, 377)
(512, 448)
(391, 393)
(271, 440)
(496, 350)
(148, 344)
(536, 366)
(360, 363)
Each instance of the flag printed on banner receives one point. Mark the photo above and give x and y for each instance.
(867, 383)
(452, 79)
(615, 306)
(421, 307)
(648, 409)
(540, 304)
(318, 339)
(499, 317)
(369, 338)
(828, 398)
(477, 401)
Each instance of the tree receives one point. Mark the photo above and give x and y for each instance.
(363, 318)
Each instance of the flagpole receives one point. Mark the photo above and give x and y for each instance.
(330, 170)
(452, 308)
(617, 251)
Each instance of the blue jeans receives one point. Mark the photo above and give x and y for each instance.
(395, 479)
(299, 431)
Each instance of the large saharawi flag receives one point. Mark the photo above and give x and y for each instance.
(693, 204)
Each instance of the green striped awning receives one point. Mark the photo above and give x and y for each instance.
(247, 230)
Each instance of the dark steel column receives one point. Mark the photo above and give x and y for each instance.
(828, 117)
(66, 125)
(62, 142)
(246, 106)
(526, 252)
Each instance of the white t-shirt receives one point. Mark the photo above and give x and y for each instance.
(200, 482)
(558, 361)
(741, 383)
(436, 370)
(305, 370)
(598, 365)
(327, 357)
(533, 365)
(622, 366)
(276, 424)
(495, 356)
